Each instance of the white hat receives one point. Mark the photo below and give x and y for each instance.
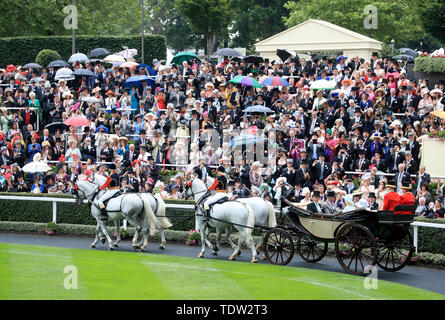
(305, 191)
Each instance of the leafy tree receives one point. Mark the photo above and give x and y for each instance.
(210, 18)
(46, 56)
(432, 16)
(396, 19)
(251, 18)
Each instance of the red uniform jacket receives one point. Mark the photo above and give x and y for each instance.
(406, 199)
(391, 200)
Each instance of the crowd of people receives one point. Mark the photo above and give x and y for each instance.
(344, 145)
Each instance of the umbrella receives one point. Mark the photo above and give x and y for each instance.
(77, 122)
(184, 56)
(237, 59)
(96, 60)
(32, 65)
(36, 166)
(404, 57)
(102, 127)
(99, 52)
(83, 73)
(244, 139)
(54, 126)
(137, 81)
(64, 74)
(323, 84)
(275, 82)
(253, 59)
(58, 64)
(409, 52)
(439, 113)
(285, 54)
(129, 64)
(114, 58)
(91, 99)
(151, 71)
(227, 52)
(246, 81)
(80, 57)
(258, 109)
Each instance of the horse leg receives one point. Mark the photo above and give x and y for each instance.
(97, 236)
(250, 243)
(105, 232)
(202, 231)
(209, 244)
(232, 244)
(137, 229)
(163, 241)
(237, 248)
(102, 237)
(118, 233)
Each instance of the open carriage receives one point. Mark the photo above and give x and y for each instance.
(362, 238)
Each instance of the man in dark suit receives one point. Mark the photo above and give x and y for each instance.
(414, 146)
(289, 172)
(396, 157)
(29, 117)
(314, 148)
(378, 162)
(373, 205)
(163, 124)
(177, 98)
(410, 163)
(235, 113)
(361, 164)
(320, 169)
(315, 206)
(394, 103)
(130, 155)
(58, 149)
(152, 168)
(4, 157)
(133, 183)
(203, 169)
(88, 150)
(422, 178)
(312, 123)
(143, 141)
(87, 134)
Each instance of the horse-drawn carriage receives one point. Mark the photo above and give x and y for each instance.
(362, 238)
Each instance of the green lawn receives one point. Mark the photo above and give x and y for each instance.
(37, 272)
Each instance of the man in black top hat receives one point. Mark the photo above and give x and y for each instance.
(315, 205)
(361, 164)
(330, 205)
(87, 133)
(58, 150)
(373, 205)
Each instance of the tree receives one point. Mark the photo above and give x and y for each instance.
(210, 18)
(432, 16)
(396, 19)
(252, 15)
(46, 56)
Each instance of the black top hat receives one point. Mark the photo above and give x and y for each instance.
(357, 109)
(112, 166)
(142, 131)
(316, 193)
(58, 139)
(130, 171)
(161, 113)
(354, 89)
(86, 129)
(375, 54)
(195, 112)
(221, 169)
(150, 158)
(331, 193)
(372, 195)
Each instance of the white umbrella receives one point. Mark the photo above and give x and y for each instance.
(114, 58)
(36, 166)
(91, 99)
(78, 57)
(170, 57)
(323, 84)
(64, 74)
(128, 53)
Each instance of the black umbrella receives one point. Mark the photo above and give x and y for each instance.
(83, 73)
(237, 59)
(58, 64)
(53, 127)
(285, 54)
(253, 59)
(409, 52)
(99, 52)
(227, 52)
(404, 57)
(32, 65)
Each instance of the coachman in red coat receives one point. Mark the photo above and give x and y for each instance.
(407, 198)
(391, 199)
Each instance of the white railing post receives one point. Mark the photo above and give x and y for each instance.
(415, 236)
(54, 211)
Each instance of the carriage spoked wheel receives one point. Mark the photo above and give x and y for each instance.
(355, 248)
(396, 254)
(310, 249)
(278, 247)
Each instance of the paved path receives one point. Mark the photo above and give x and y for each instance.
(425, 278)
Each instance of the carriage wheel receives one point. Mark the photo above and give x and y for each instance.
(310, 249)
(355, 248)
(278, 247)
(395, 255)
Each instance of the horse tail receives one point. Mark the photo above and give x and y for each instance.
(150, 215)
(250, 220)
(272, 217)
(161, 212)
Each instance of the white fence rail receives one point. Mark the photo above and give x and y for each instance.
(417, 224)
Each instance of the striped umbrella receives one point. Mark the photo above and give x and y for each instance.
(275, 82)
(246, 81)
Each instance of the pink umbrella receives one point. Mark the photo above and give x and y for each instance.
(129, 64)
(77, 122)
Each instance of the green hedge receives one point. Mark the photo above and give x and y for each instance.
(21, 50)
(428, 64)
(70, 213)
(431, 240)
(46, 56)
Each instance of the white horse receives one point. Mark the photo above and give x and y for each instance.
(263, 211)
(133, 207)
(157, 205)
(222, 216)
